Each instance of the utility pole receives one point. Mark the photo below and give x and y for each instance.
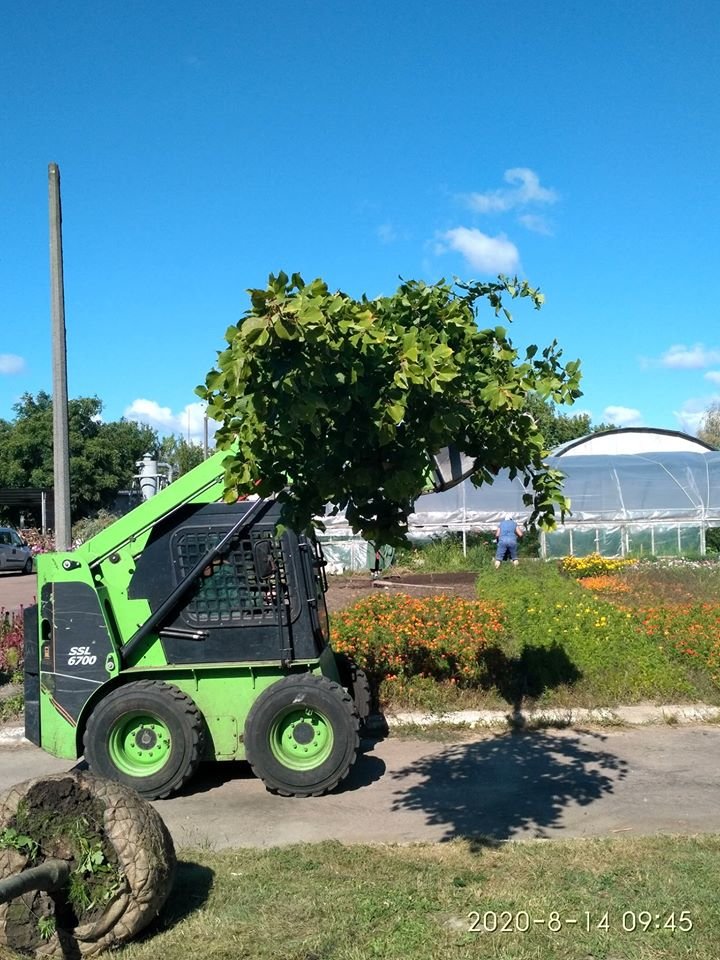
(61, 451)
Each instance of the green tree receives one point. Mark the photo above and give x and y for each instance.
(709, 431)
(335, 400)
(102, 455)
(558, 428)
(180, 454)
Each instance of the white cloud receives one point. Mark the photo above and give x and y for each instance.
(188, 423)
(622, 416)
(536, 223)
(484, 253)
(525, 189)
(10, 363)
(692, 413)
(386, 233)
(713, 376)
(681, 357)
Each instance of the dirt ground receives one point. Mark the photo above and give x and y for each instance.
(344, 591)
(17, 591)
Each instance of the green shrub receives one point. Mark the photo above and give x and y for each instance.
(87, 527)
(712, 540)
(444, 554)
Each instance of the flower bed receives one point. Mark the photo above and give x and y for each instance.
(11, 645)
(689, 631)
(38, 542)
(400, 639)
(605, 583)
(592, 565)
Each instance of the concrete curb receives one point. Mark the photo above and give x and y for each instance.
(12, 736)
(637, 715)
(641, 715)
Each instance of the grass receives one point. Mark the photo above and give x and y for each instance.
(431, 901)
(582, 650)
(445, 555)
(335, 902)
(538, 638)
(681, 583)
(11, 707)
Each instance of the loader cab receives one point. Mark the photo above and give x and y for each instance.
(262, 599)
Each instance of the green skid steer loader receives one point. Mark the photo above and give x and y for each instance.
(189, 631)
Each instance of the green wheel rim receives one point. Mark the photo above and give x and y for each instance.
(301, 738)
(139, 744)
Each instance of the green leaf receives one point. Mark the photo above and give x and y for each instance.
(252, 326)
(310, 313)
(396, 412)
(281, 330)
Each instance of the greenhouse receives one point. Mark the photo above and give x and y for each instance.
(658, 502)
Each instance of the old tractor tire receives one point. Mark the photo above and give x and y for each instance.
(356, 682)
(301, 735)
(134, 837)
(147, 735)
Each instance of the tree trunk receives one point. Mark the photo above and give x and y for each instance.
(49, 877)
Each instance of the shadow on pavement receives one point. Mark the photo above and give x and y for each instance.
(509, 784)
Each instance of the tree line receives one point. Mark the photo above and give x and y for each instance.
(709, 431)
(103, 454)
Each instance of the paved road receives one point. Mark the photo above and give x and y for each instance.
(508, 786)
(542, 784)
(17, 590)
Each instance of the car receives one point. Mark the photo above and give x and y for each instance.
(15, 554)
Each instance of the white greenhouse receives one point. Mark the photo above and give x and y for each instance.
(632, 491)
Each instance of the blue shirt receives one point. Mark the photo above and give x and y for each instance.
(507, 530)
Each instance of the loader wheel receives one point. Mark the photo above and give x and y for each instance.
(147, 735)
(356, 682)
(301, 735)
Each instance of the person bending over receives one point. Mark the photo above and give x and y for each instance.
(507, 535)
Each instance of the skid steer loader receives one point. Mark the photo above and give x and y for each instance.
(188, 631)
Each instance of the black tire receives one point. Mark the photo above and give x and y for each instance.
(28, 568)
(356, 682)
(147, 735)
(301, 735)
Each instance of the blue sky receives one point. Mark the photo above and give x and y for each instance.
(205, 145)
